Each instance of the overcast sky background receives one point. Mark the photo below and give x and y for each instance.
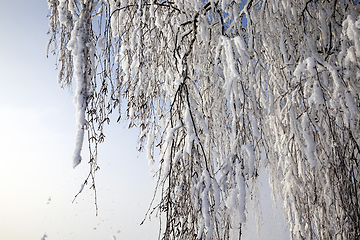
(37, 133)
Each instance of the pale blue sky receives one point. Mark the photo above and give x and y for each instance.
(37, 133)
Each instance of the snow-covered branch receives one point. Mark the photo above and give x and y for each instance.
(215, 86)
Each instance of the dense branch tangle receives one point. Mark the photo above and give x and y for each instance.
(216, 86)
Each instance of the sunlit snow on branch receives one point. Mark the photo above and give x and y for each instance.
(215, 85)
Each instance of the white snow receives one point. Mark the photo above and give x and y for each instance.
(317, 96)
(248, 153)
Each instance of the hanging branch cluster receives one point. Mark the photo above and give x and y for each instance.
(221, 88)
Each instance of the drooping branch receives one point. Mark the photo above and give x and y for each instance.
(217, 86)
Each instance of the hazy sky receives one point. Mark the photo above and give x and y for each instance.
(37, 133)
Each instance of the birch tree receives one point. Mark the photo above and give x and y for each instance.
(219, 89)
